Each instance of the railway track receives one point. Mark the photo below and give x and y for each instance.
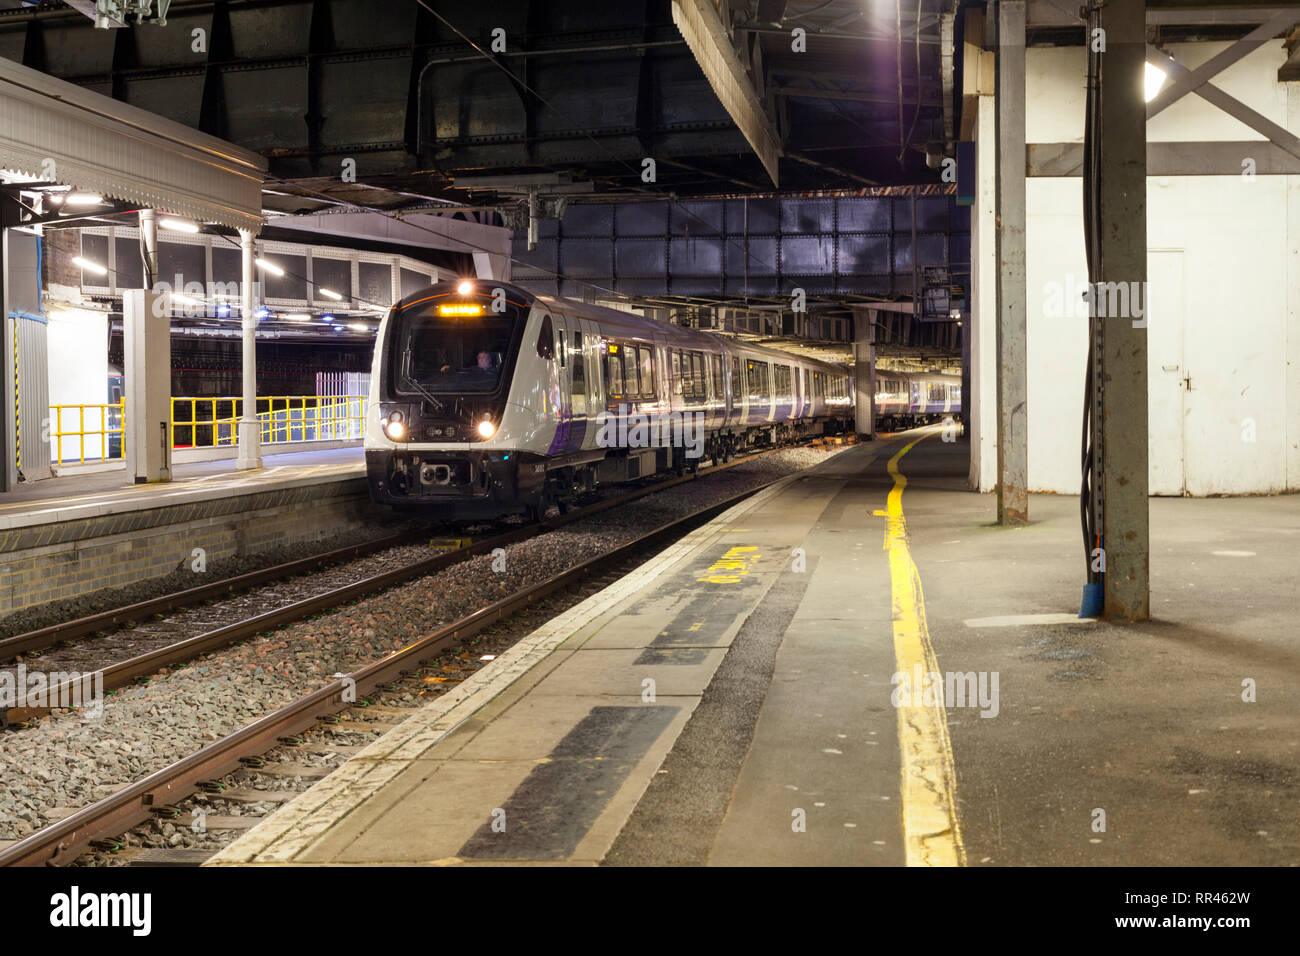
(135, 803)
(124, 672)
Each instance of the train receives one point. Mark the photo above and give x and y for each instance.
(487, 400)
(909, 399)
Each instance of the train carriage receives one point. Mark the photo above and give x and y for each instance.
(486, 399)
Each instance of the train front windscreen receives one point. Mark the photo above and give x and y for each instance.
(441, 350)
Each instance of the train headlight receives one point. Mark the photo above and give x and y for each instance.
(486, 429)
(394, 427)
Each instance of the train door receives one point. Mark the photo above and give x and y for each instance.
(561, 391)
(580, 397)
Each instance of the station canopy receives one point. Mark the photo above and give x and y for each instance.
(56, 131)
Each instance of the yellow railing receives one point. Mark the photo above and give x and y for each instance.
(97, 435)
(96, 431)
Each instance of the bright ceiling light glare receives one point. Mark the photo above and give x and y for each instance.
(331, 294)
(1155, 78)
(486, 429)
(298, 317)
(465, 288)
(270, 267)
(83, 199)
(327, 319)
(358, 327)
(94, 268)
(178, 225)
(185, 299)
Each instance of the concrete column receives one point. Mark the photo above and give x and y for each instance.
(1012, 377)
(146, 347)
(1123, 346)
(249, 454)
(864, 355)
(149, 233)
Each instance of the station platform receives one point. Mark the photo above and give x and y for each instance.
(759, 694)
(110, 491)
(63, 538)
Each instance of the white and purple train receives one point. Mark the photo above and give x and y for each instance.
(908, 399)
(488, 400)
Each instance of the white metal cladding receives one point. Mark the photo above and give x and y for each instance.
(102, 146)
(32, 441)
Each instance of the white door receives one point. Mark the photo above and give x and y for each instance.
(1165, 372)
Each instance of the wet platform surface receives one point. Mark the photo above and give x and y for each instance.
(760, 693)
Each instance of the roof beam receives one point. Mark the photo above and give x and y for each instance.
(1190, 80)
(710, 40)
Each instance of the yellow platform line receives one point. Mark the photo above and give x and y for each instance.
(931, 833)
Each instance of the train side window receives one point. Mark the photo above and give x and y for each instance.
(629, 371)
(760, 388)
(579, 375)
(614, 373)
(697, 377)
(546, 340)
(647, 363)
(737, 385)
(715, 363)
(675, 370)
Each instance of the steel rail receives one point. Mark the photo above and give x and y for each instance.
(55, 634)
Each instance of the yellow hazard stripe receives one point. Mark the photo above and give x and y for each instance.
(931, 833)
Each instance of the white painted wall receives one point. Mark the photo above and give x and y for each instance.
(77, 342)
(1239, 241)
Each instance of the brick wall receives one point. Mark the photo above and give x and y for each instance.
(42, 572)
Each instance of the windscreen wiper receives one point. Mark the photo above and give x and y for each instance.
(407, 381)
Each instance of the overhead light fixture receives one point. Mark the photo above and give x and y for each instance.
(185, 299)
(1155, 78)
(358, 327)
(92, 267)
(83, 199)
(298, 317)
(330, 294)
(327, 319)
(178, 225)
(270, 267)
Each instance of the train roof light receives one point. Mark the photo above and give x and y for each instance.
(92, 267)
